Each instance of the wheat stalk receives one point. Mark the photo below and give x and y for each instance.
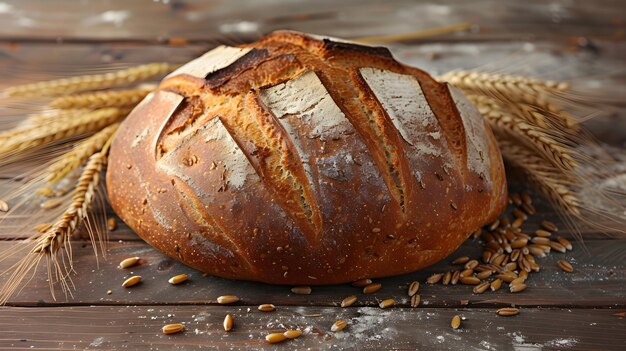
(55, 240)
(514, 89)
(555, 151)
(90, 82)
(73, 159)
(114, 98)
(549, 179)
(54, 116)
(77, 210)
(39, 136)
(37, 120)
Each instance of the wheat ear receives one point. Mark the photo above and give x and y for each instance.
(113, 98)
(37, 120)
(548, 179)
(54, 116)
(81, 152)
(515, 89)
(54, 244)
(39, 136)
(533, 136)
(90, 82)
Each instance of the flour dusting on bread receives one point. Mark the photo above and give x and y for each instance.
(216, 59)
(475, 135)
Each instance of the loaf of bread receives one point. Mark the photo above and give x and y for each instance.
(298, 159)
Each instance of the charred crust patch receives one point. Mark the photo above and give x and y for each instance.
(186, 113)
(250, 60)
(331, 45)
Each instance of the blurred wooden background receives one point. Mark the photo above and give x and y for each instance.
(580, 40)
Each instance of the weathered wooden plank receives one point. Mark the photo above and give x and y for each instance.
(139, 328)
(199, 20)
(599, 280)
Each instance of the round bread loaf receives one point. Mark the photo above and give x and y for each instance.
(305, 160)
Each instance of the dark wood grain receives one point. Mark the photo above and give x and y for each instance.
(599, 280)
(139, 328)
(203, 20)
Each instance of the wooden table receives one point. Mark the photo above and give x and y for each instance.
(581, 310)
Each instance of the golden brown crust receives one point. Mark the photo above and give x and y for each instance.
(292, 164)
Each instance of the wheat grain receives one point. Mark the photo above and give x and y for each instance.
(51, 204)
(526, 198)
(455, 277)
(112, 98)
(47, 192)
(519, 243)
(511, 266)
(471, 264)
(267, 307)
(413, 288)
(129, 262)
(386, 303)
(348, 301)
(496, 284)
(543, 233)
(111, 224)
(461, 260)
(177, 279)
(173, 328)
(540, 240)
(467, 272)
(565, 266)
(301, 290)
(43, 227)
(456, 322)
(507, 277)
(227, 299)
(292, 333)
(566, 243)
(275, 338)
(517, 213)
(228, 322)
(470, 280)
(484, 274)
(481, 288)
(372, 288)
(435, 278)
(415, 300)
(446, 278)
(529, 209)
(549, 226)
(132, 281)
(517, 288)
(339, 325)
(90, 82)
(81, 152)
(507, 311)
